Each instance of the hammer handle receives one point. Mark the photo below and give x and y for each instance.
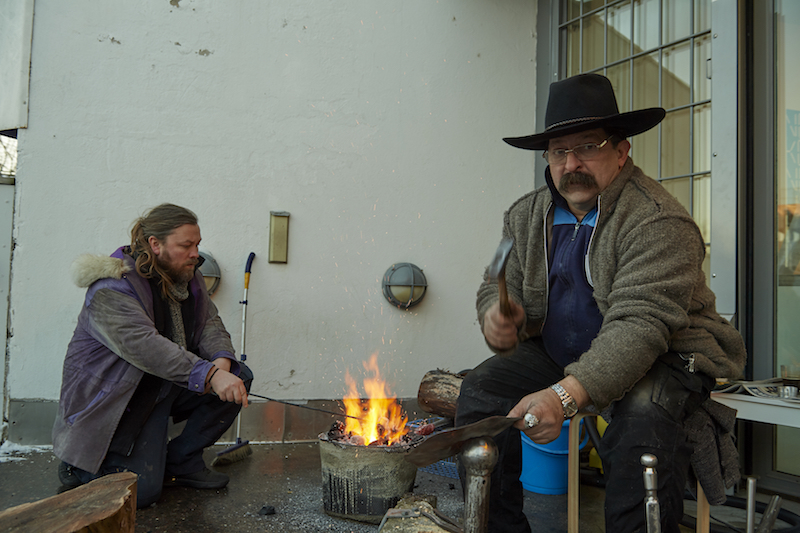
(505, 309)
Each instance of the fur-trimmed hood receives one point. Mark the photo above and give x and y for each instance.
(88, 268)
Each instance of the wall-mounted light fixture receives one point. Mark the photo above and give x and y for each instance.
(210, 271)
(404, 285)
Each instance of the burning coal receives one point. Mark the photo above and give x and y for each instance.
(339, 433)
(377, 420)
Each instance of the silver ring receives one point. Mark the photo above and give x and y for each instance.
(530, 420)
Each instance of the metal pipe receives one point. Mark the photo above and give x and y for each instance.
(243, 354)
(479, 456)
(751, 504)
(652, 510)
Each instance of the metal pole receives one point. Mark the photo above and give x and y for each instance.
(652, 510)
(243, 354)
(247, 267)
(751, 505)
(479, 457)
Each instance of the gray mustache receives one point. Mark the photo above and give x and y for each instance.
(576, 178)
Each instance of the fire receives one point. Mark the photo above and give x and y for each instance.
(382, 419)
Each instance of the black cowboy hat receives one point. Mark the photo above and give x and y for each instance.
(586, 102)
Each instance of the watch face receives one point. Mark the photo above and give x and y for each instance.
(570, 409)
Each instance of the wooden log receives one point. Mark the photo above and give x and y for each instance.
(105, 505)
(418, 522)
(438, 392)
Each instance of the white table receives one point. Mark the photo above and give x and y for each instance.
(767, 410)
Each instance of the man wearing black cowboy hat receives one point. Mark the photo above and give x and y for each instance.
(609, 309)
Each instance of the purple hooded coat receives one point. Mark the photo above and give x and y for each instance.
(114, 344)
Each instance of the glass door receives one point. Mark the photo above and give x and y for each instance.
(786, 32)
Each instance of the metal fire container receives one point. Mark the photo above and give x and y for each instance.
(363, 482)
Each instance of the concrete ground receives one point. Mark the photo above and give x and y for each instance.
(286, 477)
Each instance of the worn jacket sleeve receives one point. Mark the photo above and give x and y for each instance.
(119, 322)
(657, 264)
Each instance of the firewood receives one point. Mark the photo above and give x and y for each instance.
(438, 392)
(105, 505)
(423, 520)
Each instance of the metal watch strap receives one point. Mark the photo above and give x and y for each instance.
(568, 403)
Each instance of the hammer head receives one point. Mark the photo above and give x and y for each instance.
(497, 268)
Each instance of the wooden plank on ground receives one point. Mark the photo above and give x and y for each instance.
(105, 505)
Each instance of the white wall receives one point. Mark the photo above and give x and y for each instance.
(376, 124)
(16, 21)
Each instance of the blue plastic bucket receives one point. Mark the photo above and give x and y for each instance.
(544, 466)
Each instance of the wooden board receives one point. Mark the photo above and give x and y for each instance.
(105, 505)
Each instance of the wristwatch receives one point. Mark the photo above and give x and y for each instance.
(567, 401)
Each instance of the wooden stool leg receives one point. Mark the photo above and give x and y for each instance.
(703, 511)
(574, 473)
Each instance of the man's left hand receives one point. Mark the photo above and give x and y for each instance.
(546, 407)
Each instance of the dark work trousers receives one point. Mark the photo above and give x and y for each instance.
(648, 419)
(152, 457)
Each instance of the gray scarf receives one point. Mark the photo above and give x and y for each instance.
(179, 293)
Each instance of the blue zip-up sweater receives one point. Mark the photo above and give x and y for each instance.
(573, 319)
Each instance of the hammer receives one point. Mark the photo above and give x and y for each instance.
(497, 270)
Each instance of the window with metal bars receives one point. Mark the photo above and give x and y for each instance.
(657, 53)
(8, 154)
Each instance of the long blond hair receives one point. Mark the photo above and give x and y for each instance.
(159, 222)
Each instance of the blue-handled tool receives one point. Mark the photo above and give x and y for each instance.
(247, 267)
(241, 449)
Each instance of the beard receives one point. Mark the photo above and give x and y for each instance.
(177, 273)
(572, 180)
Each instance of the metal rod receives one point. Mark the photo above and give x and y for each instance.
(304, 406)
(243, 354)
(479, 456)
(652, 509)
(751, 504)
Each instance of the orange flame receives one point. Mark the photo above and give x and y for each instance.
(380, 414)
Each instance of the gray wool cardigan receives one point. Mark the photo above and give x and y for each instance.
(645, 266)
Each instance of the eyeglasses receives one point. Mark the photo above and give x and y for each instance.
(584, 152)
